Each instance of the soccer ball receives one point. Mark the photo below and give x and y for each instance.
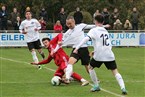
(56, 81)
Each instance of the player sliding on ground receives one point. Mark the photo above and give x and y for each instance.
(30, 27)
(60, 58)
(102, 53)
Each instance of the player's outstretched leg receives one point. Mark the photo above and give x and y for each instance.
(69, 70)
(79, 78)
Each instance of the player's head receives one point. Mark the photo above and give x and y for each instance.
(70, 22)
(99, 19)
(28, 15)
(46, 42)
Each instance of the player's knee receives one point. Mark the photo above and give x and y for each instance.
(115, 71)
(40, 50)
(32, 50)
(72, 60)
(90, 67)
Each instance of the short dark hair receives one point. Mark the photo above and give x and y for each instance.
(45, 39)
(99, 18)
(69, 17)
(28, 11)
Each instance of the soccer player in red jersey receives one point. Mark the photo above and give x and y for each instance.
(60, 58)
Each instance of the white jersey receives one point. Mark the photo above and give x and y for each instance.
(102, 44)
(29, 26)
(74, 36)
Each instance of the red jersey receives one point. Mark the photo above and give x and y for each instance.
(59, 56)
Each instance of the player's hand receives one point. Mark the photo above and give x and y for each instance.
(107, 26)
(75, 51)
(24, 32)
(34, 63)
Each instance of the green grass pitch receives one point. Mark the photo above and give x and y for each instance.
(20, 79)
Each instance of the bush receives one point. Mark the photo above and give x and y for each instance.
(49, 26)
(87, 17)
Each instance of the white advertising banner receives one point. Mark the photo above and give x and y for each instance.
(17, 39)
(126, 39)
(117, 39)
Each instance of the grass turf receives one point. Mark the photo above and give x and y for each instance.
(20, 79)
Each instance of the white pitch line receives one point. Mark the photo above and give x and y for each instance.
(118, 95)
(22, 82)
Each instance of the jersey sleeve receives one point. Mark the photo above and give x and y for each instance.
(87, 26)
(82, 26)
(65, 35)
(91, 34)
(56, 39)
(21, 27)
(82, 42)
(46, 60)
(38, 25)
(59, 37)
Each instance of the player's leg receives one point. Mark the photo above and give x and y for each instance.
(87, 68)
(39, 48)
(41, 53)
(120, 81)
(72, 60)
(59, 72)
(75, 76)
(113, 67)
(93, 64)
(63, 67)
(33, 52)
(79, 78)
(85, 57)
(34, 56)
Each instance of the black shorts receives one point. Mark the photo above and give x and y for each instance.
(34, 45)
(83, 55)
(109, 64)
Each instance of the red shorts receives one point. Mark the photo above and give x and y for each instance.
(60, 71)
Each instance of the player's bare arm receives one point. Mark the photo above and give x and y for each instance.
(80, 44)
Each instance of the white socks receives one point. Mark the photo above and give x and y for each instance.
(34, 56)
(93, 76)
(83, 80)
(69, 70)
(95, 79)
(120, 80)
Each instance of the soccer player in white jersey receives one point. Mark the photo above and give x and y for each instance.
(30, 28)
(72, 37)
(102, 54)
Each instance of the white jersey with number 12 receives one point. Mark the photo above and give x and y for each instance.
(102, 44)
